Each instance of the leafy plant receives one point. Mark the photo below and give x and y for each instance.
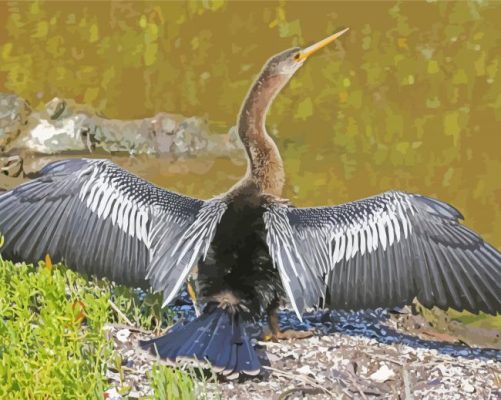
(52, 342)
(171, 384)
(176, 384)
(52, 338)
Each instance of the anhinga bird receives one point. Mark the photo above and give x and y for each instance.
(253, 248)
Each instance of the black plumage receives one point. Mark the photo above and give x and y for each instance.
(253, 249)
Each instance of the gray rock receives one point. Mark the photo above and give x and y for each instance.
(14, 112)
(64, 125)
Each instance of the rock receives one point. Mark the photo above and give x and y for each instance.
(11, 166)
(123, 335)
(55, 108)
(468, 388)
(272, 357)
(64, 125)
(112, 376)
(14, 112)
(383, 374)
(51, 137)
(305, 370)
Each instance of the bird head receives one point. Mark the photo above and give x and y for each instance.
(287, 62)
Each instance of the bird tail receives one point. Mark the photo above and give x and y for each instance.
(217, 337)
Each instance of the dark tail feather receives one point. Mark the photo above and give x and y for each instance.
(216, 337)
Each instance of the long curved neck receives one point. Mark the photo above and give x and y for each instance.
(265, 166)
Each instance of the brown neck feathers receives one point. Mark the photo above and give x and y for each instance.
(265, 166)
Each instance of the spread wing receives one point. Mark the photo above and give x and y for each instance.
(383, 251)
(102, 220)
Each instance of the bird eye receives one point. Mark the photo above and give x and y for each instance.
(296, 56)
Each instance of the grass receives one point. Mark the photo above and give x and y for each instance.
(53, 343)
(168, 383)
(52, 338)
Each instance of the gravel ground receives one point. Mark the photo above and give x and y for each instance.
(360, 355)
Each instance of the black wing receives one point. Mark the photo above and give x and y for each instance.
(102, 220)
(383, 251)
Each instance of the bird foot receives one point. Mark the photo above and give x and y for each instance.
(11, 166)
(286, 335)
(292, 334)
(193, 295)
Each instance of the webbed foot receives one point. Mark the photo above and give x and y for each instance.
(286, 335)
(292, 334)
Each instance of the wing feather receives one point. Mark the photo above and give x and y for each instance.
(385, 251)
(102, 220)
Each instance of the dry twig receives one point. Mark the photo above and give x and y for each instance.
(357, 386)
(407, 385)
(385, 358)
(120, 313)
(304, 390)
(301, 378)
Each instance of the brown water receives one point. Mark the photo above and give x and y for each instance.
(409, 99)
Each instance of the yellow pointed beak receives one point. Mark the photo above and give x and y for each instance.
(305, 53)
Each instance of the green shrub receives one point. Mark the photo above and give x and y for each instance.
(52, 342)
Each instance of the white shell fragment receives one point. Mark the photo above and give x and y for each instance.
(123, 335)
(383, 374)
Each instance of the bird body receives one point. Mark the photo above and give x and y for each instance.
(238, 282)
(254, 249)
(238, 260)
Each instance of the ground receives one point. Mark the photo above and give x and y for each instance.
(360, 355)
